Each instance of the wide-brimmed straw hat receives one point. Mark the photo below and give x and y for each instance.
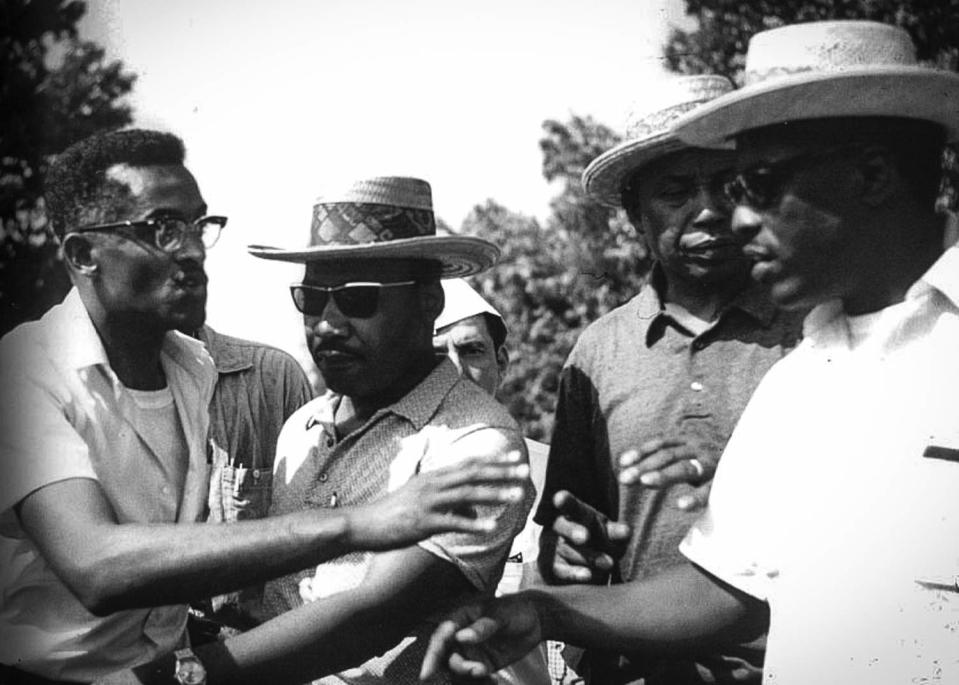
(649, 132)
(824, 70)
(387, 217)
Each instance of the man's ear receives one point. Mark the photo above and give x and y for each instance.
(432, 301)
(502, 360)
(877, 175)
(78, 254)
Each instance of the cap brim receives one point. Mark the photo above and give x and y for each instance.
(458, 256)
(906, 92)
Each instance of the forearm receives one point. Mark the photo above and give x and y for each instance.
(343, 630)
(684, 609)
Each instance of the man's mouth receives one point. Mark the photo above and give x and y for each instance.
(713, 249)
(194, 278)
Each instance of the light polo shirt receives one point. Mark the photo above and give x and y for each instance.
(837, 498)
(420, 432)
(64, 414)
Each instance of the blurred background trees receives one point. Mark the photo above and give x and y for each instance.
(55, 88)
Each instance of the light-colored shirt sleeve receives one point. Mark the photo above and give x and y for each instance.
(38, 444)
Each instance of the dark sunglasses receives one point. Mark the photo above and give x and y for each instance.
(355, 300)
(761, 187)
(166, 233)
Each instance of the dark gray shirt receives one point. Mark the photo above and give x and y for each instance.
(635, 374)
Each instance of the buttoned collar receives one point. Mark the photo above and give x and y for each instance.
(752, 300)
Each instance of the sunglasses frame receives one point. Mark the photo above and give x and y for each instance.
(345, 307)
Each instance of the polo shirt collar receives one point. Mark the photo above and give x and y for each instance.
(753, 300)
(418, 405)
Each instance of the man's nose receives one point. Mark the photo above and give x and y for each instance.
(746, 222)
(713, 206)
(191, 249)
(330, 323)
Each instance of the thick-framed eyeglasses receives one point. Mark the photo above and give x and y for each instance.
(357, 300)
(761, 187)
(166, 233)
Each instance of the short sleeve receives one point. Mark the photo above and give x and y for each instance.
(38, 443)
(480, 556)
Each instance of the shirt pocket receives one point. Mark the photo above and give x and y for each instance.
(244, 492)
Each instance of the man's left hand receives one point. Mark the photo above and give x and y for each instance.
(663, 462)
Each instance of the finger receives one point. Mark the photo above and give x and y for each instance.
(572, 532)
(452, 522)
(480, 630)
(461, 666)
(656, 444)
(690, 470)
(475, 494)
(489, 472)
(439, 646)
(580, 565)
(617, 532)
(696, 500)
(666, 467)
(575, 509)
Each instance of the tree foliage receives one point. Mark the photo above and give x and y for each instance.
(55, 89)
(557, 276)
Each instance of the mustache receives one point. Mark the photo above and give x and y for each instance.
(333, 346)
(192, 272)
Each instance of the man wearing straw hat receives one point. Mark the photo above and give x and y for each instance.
(103, 442)
(369, 298)
(664, 378)
(834, 508)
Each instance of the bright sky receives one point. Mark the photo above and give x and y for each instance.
(277, 99)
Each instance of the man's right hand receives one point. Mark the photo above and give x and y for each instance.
(439, 501)
(481, 637)
(588, 544)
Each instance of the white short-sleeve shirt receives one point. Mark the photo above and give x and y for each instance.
(64, 414)
(837, 498)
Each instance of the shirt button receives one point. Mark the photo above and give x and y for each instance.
(165, 490)
(696, 385)
(324, 477)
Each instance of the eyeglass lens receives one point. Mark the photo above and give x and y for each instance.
(356, 301)
(169, 233)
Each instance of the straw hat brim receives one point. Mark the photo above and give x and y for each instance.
(606, 175)
(458, 256)
(907, 91)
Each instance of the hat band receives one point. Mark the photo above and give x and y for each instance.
(362, 223)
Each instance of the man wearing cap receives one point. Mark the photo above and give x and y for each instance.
(472, 334)
(103, 427)
(369, 298)
(663, 378)
(834, 507)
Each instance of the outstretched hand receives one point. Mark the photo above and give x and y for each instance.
(664, 462)
(479, 638)
(588, 544)
(439, 501)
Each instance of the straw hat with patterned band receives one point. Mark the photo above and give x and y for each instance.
(824, 70)
(388, 217)
(648, 132)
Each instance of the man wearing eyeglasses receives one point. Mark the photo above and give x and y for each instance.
(103, 427)
(369, 298)
(833, 517)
